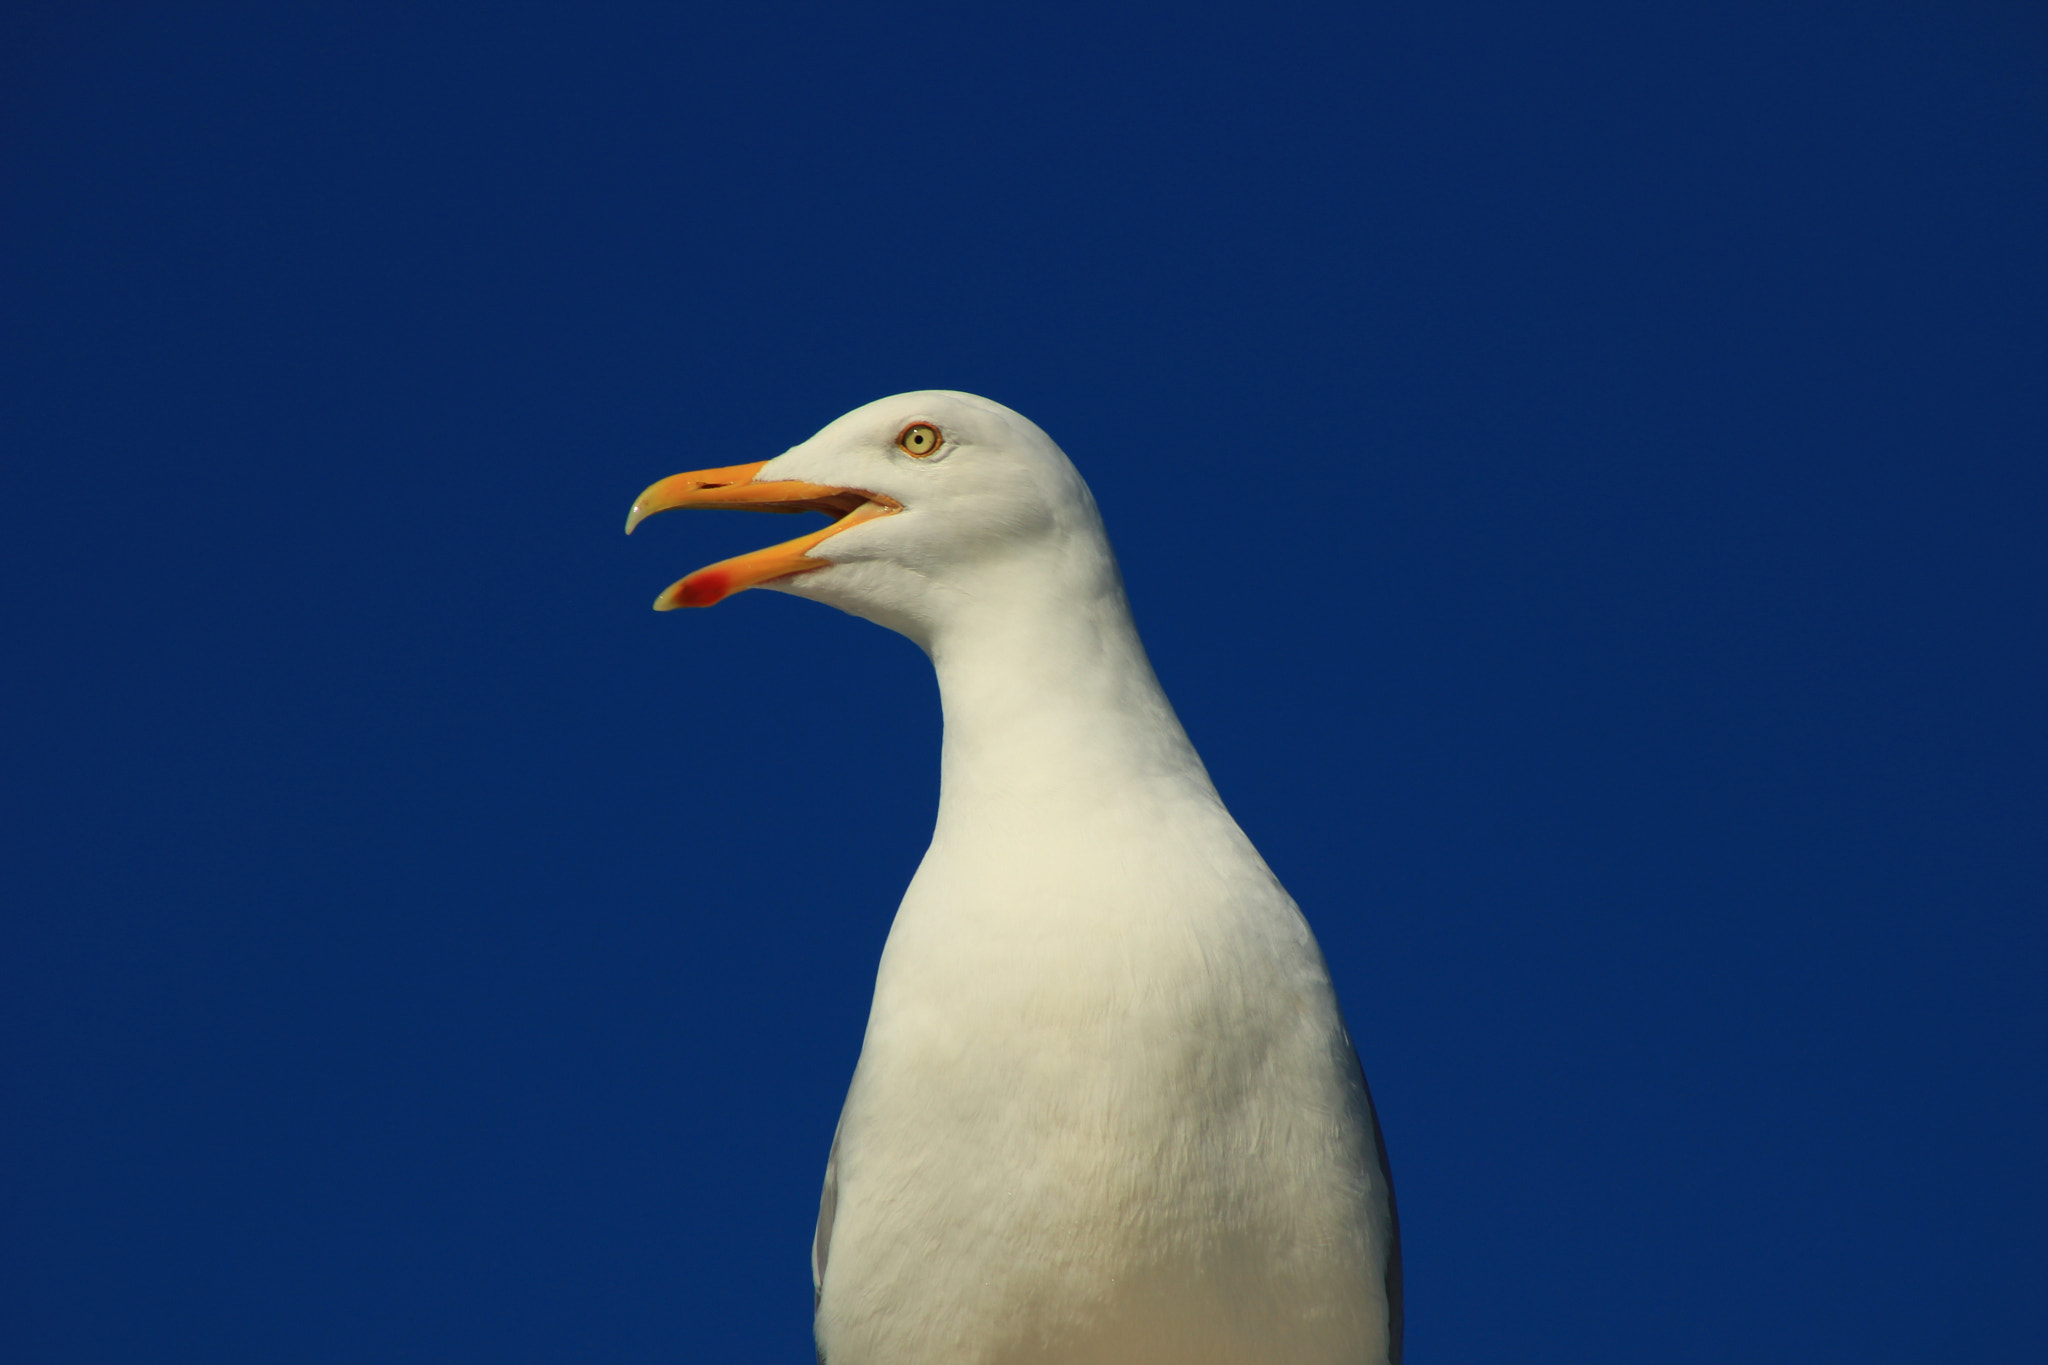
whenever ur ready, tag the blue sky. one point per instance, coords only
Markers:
(1578, 472)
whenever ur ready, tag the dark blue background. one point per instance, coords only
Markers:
(1579, 471)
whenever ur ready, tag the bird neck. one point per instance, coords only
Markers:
(1052, 711)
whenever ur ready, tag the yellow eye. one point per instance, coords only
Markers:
(919, 439)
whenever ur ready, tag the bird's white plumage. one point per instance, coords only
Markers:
(1106, 1111)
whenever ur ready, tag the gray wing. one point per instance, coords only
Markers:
(828, 1204)
(1393, 1280)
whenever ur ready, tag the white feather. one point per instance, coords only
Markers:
(1106, 1110)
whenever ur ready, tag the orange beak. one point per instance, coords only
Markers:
(735, 487)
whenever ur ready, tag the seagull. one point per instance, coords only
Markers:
(1106, 1110)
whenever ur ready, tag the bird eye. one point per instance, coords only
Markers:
(919, 439)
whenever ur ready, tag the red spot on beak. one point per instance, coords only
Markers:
(704, 589)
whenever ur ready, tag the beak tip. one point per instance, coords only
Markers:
(705, 588)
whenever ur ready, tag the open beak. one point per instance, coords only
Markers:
(735, 487)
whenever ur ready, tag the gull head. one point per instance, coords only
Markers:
(939, 504)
